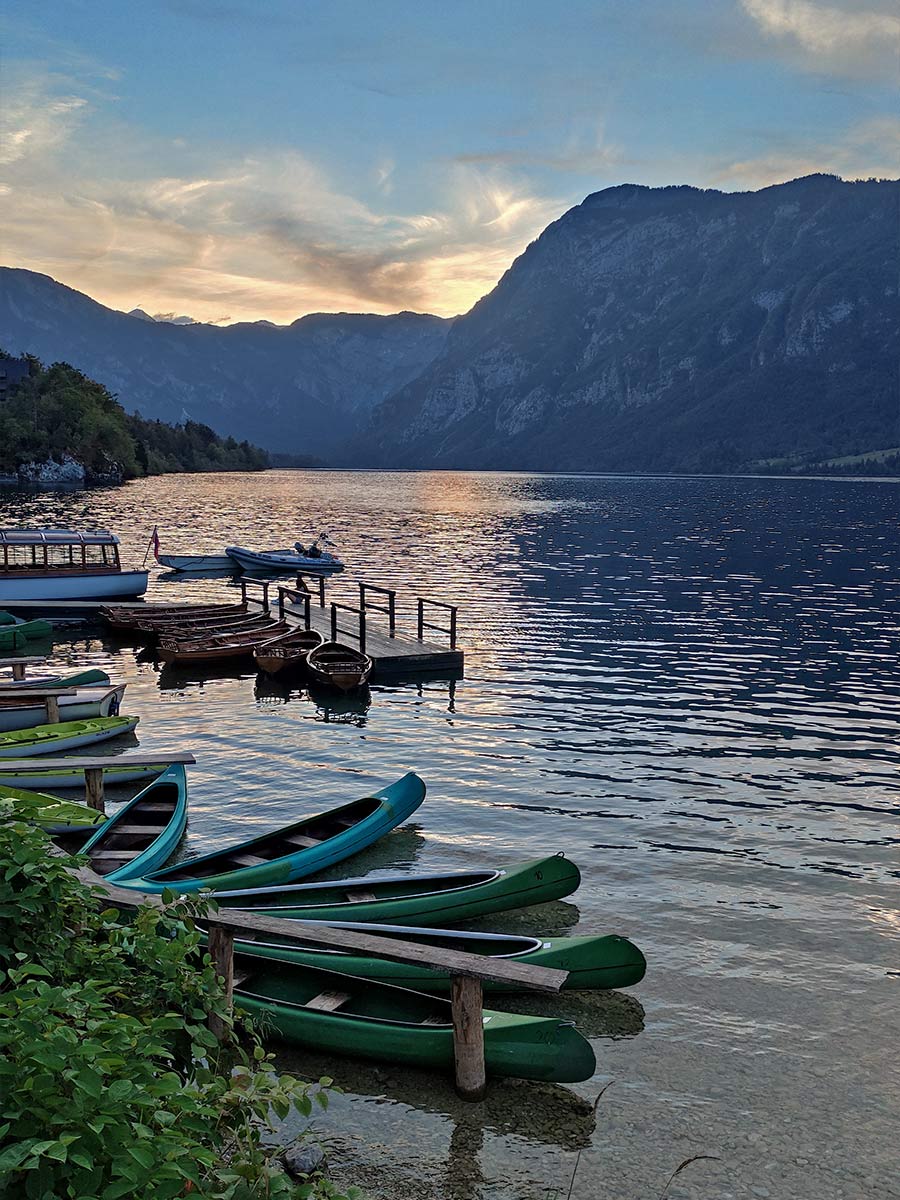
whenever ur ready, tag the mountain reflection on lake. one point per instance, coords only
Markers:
(688, 685)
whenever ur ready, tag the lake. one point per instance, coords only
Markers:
(690, 686)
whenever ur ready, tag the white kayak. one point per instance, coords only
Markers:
(61, 779)
(284, 561)
(25, 711)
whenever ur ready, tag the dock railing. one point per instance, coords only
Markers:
(467, 971)
(422, 624)
(390, 608)
(249, 581)
(293, 594)
(361, 623)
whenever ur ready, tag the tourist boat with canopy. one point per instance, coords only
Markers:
(62, 564)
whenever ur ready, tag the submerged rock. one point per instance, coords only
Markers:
(302, 1159)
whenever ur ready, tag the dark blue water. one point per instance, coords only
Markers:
(689, 685)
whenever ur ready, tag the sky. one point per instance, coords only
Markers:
(241, 161)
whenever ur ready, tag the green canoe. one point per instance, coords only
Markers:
(91, 678)
(415, 899)
(337, 1014)
(66, 735)
(592, 962)
(56, 816)
(14, 636)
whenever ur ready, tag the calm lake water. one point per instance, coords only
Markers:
(688, 685)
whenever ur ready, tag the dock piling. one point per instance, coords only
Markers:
(467, 1006)
(220, 942)
(93, 789)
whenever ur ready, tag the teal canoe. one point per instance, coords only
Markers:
(608, 961)
(56, 816)
(145, 833)
(297, 850)
(415, 899)
(358, 1017)
(66, 735)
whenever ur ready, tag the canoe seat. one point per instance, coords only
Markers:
(247, 860)
(437, 1019)
(154, 829)
(298, 839)
(159, 806)
(328, 1001)
(344, 823)
(360, 895)
(115, 855)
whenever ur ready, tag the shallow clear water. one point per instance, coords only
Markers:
(688, 685)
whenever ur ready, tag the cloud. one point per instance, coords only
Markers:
(868, 149)
(254, 236)
(854, 41)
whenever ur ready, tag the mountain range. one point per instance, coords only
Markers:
(648, 329)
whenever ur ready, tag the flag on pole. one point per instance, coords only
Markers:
(154, 542)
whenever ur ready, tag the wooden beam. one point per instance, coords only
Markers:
(14, 693)
(221, 950)
(133, 758)
(14, 662)
(93, 789)
(467, 1005)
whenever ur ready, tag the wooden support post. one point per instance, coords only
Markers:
(281, 604)
(392, 613)
(452, 628)
(265, 599)
(321, 591)
(52, 704)
(466, 1001)
(93, 788)
(421, 621)
(362, 631)
(18, 670)
(334, 623)
(307, 618)
(221, 951)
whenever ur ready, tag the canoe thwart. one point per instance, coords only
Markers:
(328, 1001)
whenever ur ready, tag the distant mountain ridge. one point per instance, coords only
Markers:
(648, 329)
(297, 388)
(660, 329)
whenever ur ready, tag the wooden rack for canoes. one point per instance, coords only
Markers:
(93, 768)
(21, 665)
(467, 971)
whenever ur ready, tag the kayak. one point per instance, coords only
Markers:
(24, 711)
(592, 962)
(67, 735)
(297, 850)
(340, 666)
(414, 899)
(284, 561)
(56, 816)
(359, 1017)
(143, 834)
(91, 678)
(61, 778)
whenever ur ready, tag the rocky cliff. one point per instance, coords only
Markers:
(673, 329)
(299, 388)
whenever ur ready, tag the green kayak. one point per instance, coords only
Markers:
(337, 1014)
(415, 899)
(62, 778)
(56, 816)
(66, 735)
(592, 962)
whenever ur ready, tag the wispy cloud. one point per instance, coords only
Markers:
(853, 40)
(265, 237)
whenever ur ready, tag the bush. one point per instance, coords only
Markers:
(111, 1084)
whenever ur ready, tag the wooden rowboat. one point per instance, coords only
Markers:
(297, 850)
(144, 833)
(208, 627)
(121, 617)
(288, 651)
(211, 647)
(66, 735)
(592, 962)
(340, 1015)
(414, 899)
(340, 666)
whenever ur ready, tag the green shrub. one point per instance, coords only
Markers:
(111, 1084)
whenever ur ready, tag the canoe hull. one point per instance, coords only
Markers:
(535, 882)
(68, 735)
(397, 802)
(592, 963)
(164, 846)
(56, 816)
(100, 586)
(60, 780)
(86, 703)
(197, 562)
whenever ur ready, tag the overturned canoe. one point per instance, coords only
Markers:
(340, 666)
(415, 899)
(143, 834)
(337, 1014)
(592, 962)
(290, 651)
(22, 711)
(56, 816)
(66, 735)
(297, 850)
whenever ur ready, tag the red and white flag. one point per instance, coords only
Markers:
(154, 542)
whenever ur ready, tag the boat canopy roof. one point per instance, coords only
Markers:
(56, 537)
